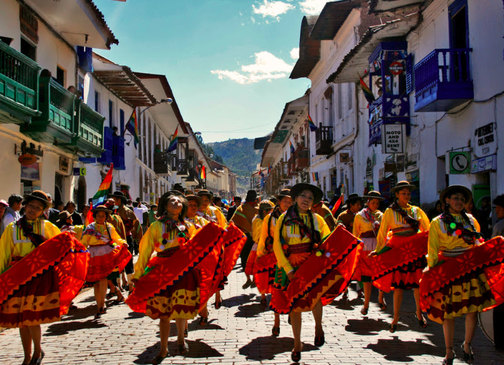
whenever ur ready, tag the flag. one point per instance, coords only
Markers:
(292, 150)
(101, 194)
(173, 142)
(89, 216)
(337, 204)
(132, 127)
(203, 173)
(367, 91)
(312, 125)
(269, 168)
(261, 173)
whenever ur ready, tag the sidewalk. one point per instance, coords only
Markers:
(239, 333)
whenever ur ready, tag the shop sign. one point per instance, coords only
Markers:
(460, 162)
(64, 164)
(393, 138)
(485, 140)
(27, 159)
(79, 171)
(483, 164)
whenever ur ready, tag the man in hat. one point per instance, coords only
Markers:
(132, 228)
(498, 229)
(178, 187)
(236, 203)
(243, 217)
(324, 211)
(151, 215)
(354, 205)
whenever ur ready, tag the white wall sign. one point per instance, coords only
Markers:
(393, 138)
(485, 140)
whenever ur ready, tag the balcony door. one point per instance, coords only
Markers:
(459, 39)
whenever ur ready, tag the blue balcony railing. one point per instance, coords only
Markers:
(443, 80)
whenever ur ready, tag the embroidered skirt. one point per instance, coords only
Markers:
(249, 268)
(265, 272)
(104, 259)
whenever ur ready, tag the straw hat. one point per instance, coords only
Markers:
(455, 188)
(401, 185)
(297, 189)
(40, 196)
(373, 195)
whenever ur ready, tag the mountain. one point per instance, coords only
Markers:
(239, 155)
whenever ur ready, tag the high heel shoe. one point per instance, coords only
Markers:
(468, 357)
(421, 321)
(218, 304)
(382, 305)
(183, 349)
(296, 356)
(37, 361)
(319, 340)
(392, 328)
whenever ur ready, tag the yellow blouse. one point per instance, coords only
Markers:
(14, 243)
(292, 236)
(213, 214)
(256, 228)
(197, 221)
(361, 224)
(101, 236)
(261, 246)
(439, 240)
(393, 220)
(152, 241)
(76, 230)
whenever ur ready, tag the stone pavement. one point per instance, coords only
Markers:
(239, 333)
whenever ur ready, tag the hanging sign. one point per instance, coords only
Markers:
(393, 138)
(27, 159)
(460, 162)
(485, 140)
(396, 68)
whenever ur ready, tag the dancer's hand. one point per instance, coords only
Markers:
(290, 274)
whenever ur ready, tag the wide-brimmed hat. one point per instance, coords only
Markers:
(251, 195)
(499, 200)
(284, 193)
(401, 185)
(354, 197)
(101, 208)
(63, 216)
(205, 192)
(299, 188)
(235, 198)
(178, 187)
(40, 196)
(373, 195)
(455, 189)
(3, 202)
(120, 195)
(196, 198)
(265, 205)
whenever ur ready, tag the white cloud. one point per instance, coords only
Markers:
(294, 53)
(312, 7)
(266, 67)
(272, 8)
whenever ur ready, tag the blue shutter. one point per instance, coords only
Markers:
(85, 55)
(118, 157)
(410, 86)
(108, 145)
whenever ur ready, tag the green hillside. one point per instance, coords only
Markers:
(239, 155)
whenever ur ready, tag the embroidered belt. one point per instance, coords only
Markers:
(300, 248)
(403, 231)
(168, 252)
(454, 251)
(368, 234)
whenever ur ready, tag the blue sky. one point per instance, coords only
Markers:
(228, 61)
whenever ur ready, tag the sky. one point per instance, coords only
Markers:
(227, 61)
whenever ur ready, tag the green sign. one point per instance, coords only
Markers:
(82, 171)
(460, 162)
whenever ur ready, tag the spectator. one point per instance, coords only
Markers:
(3, 206)
(12, 210)
(50, 213)
(498, 229)
(236, 203)
(85, 210)
(76, 217)
(484, 218)
(437, 210)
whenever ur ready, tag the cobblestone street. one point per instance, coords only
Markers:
(239, 333)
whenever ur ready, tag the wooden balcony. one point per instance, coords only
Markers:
(291, 167)
(443, 80)
(301, 158)
(89, 134)
(19, 78)
(323, 140)
(182, 167)
(193, 179)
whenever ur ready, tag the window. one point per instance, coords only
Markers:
(121, 120)
(28, 49)
(111, 113)
(459, 30)
(97, 101)
(340, 102)
(60, 76)
(80, 86)
(350, 96)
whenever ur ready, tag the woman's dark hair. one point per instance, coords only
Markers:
(70, 202)
(164, 201)
(263, 213)
(447, 207)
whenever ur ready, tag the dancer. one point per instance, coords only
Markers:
(460, 278)
(297, 232)
(108, 251)
(401, 224)
(266, 260)
(365, 226)
(37, 291)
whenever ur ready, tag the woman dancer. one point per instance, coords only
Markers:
(296, 232)
(182, 300)
(266, 260)
(400, 226)
(456, 253)
(34, 293)
(366, 225)
(108, 251)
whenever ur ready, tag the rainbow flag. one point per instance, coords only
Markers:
(312, 125)
(269, 168)
(103, 190)
(315, 176)
(368, 94)
(203, 173)
(173, 142)
(132, 127)
(292, 150)
(337, 204)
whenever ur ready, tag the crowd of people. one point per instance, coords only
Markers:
(297, 253)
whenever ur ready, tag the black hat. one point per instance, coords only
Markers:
(297, 189)
(455, 189)
(101, 208)
(401, 185)
(373, 195)
(251, 196)
(120, 195)
(284, 193)
(63, 216)
(40, 196)
(205, 192)
(499, 200)
(237, 198)
(194, 197)
(178, 187)
(352, 198)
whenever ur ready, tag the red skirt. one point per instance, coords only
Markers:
(166, 275)
(318, 278)
(364, 270)
(470, 282)
(264, 276)
(40, 287)
(104, 259)
(249, 268)
(234, 241)
(400, 264)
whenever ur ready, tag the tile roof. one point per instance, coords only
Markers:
(309, 49)
(332, 18)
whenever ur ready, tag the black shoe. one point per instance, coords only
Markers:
(392, 328)
(296, 356)
(468, 357)
(275, 331)
(447, 361)
(319, 340)
(183, 349)
(159, 359)
(39, 360)
(247, 284)
(218, 304)
(203, 321)
(186, 333)
(422, 322)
